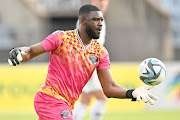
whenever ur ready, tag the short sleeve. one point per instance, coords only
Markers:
(52, 42)
(104, 60)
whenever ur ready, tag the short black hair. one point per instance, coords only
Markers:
(86, 9)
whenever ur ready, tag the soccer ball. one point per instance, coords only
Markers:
(152, 71)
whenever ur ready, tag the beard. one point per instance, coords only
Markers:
(91, 33)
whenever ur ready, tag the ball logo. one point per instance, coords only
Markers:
(65, 114)
(93, 59)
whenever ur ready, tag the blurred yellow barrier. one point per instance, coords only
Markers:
(126, 75)
(19, 84)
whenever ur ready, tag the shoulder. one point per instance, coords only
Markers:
(97, 44)
(70, 32)
(67, 34)
(101, 50)
(61, 34)
(57, 32)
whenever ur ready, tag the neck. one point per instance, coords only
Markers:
(84, 37)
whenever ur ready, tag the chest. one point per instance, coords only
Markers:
(74, 54)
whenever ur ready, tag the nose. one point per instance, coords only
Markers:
(100, 23)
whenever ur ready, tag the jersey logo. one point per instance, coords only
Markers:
(65, 114)
(73, 52)
(93, 59)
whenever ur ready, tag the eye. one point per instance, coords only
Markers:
(96, 19)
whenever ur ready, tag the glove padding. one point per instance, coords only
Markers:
(15, 56)
(144, 94)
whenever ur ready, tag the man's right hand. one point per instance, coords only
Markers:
(15, 56)
(144, 94)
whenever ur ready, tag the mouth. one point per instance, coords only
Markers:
(98, 30)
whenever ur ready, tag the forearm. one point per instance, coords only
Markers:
(32, 51)
(112, 90)
(115, 91)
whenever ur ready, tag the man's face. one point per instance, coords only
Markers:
(94, 24)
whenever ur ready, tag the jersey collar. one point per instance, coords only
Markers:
(79, 39)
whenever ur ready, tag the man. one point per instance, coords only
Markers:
(74, 55)
(93, 87)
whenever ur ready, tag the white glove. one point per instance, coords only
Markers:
(15, 56)
(142, 93)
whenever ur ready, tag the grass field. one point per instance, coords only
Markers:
(143, 115)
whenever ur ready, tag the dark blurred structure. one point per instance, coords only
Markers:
(136, 29)
(26, 22)
(173, 7)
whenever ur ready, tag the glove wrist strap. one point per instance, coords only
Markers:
(129, 93)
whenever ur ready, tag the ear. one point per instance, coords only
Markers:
(82, 20)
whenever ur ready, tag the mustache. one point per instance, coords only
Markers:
(99, 29)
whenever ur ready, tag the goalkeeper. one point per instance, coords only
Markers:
(93, 87)
(74, 55)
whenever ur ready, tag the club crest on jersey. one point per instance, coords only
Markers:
(65, 114)
(93, 59)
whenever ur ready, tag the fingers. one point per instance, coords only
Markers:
(9, 61)
(152, 96)
(149, 100)
(19, 57)
(23, 52)
(144, 94)
(15, 56)
(138, 98)
(144, 98)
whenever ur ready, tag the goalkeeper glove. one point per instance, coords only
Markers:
(141, 93)
(15, 56)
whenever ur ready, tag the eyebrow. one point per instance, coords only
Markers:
(98, 18)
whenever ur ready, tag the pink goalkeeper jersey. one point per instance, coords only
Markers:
(71, 64)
